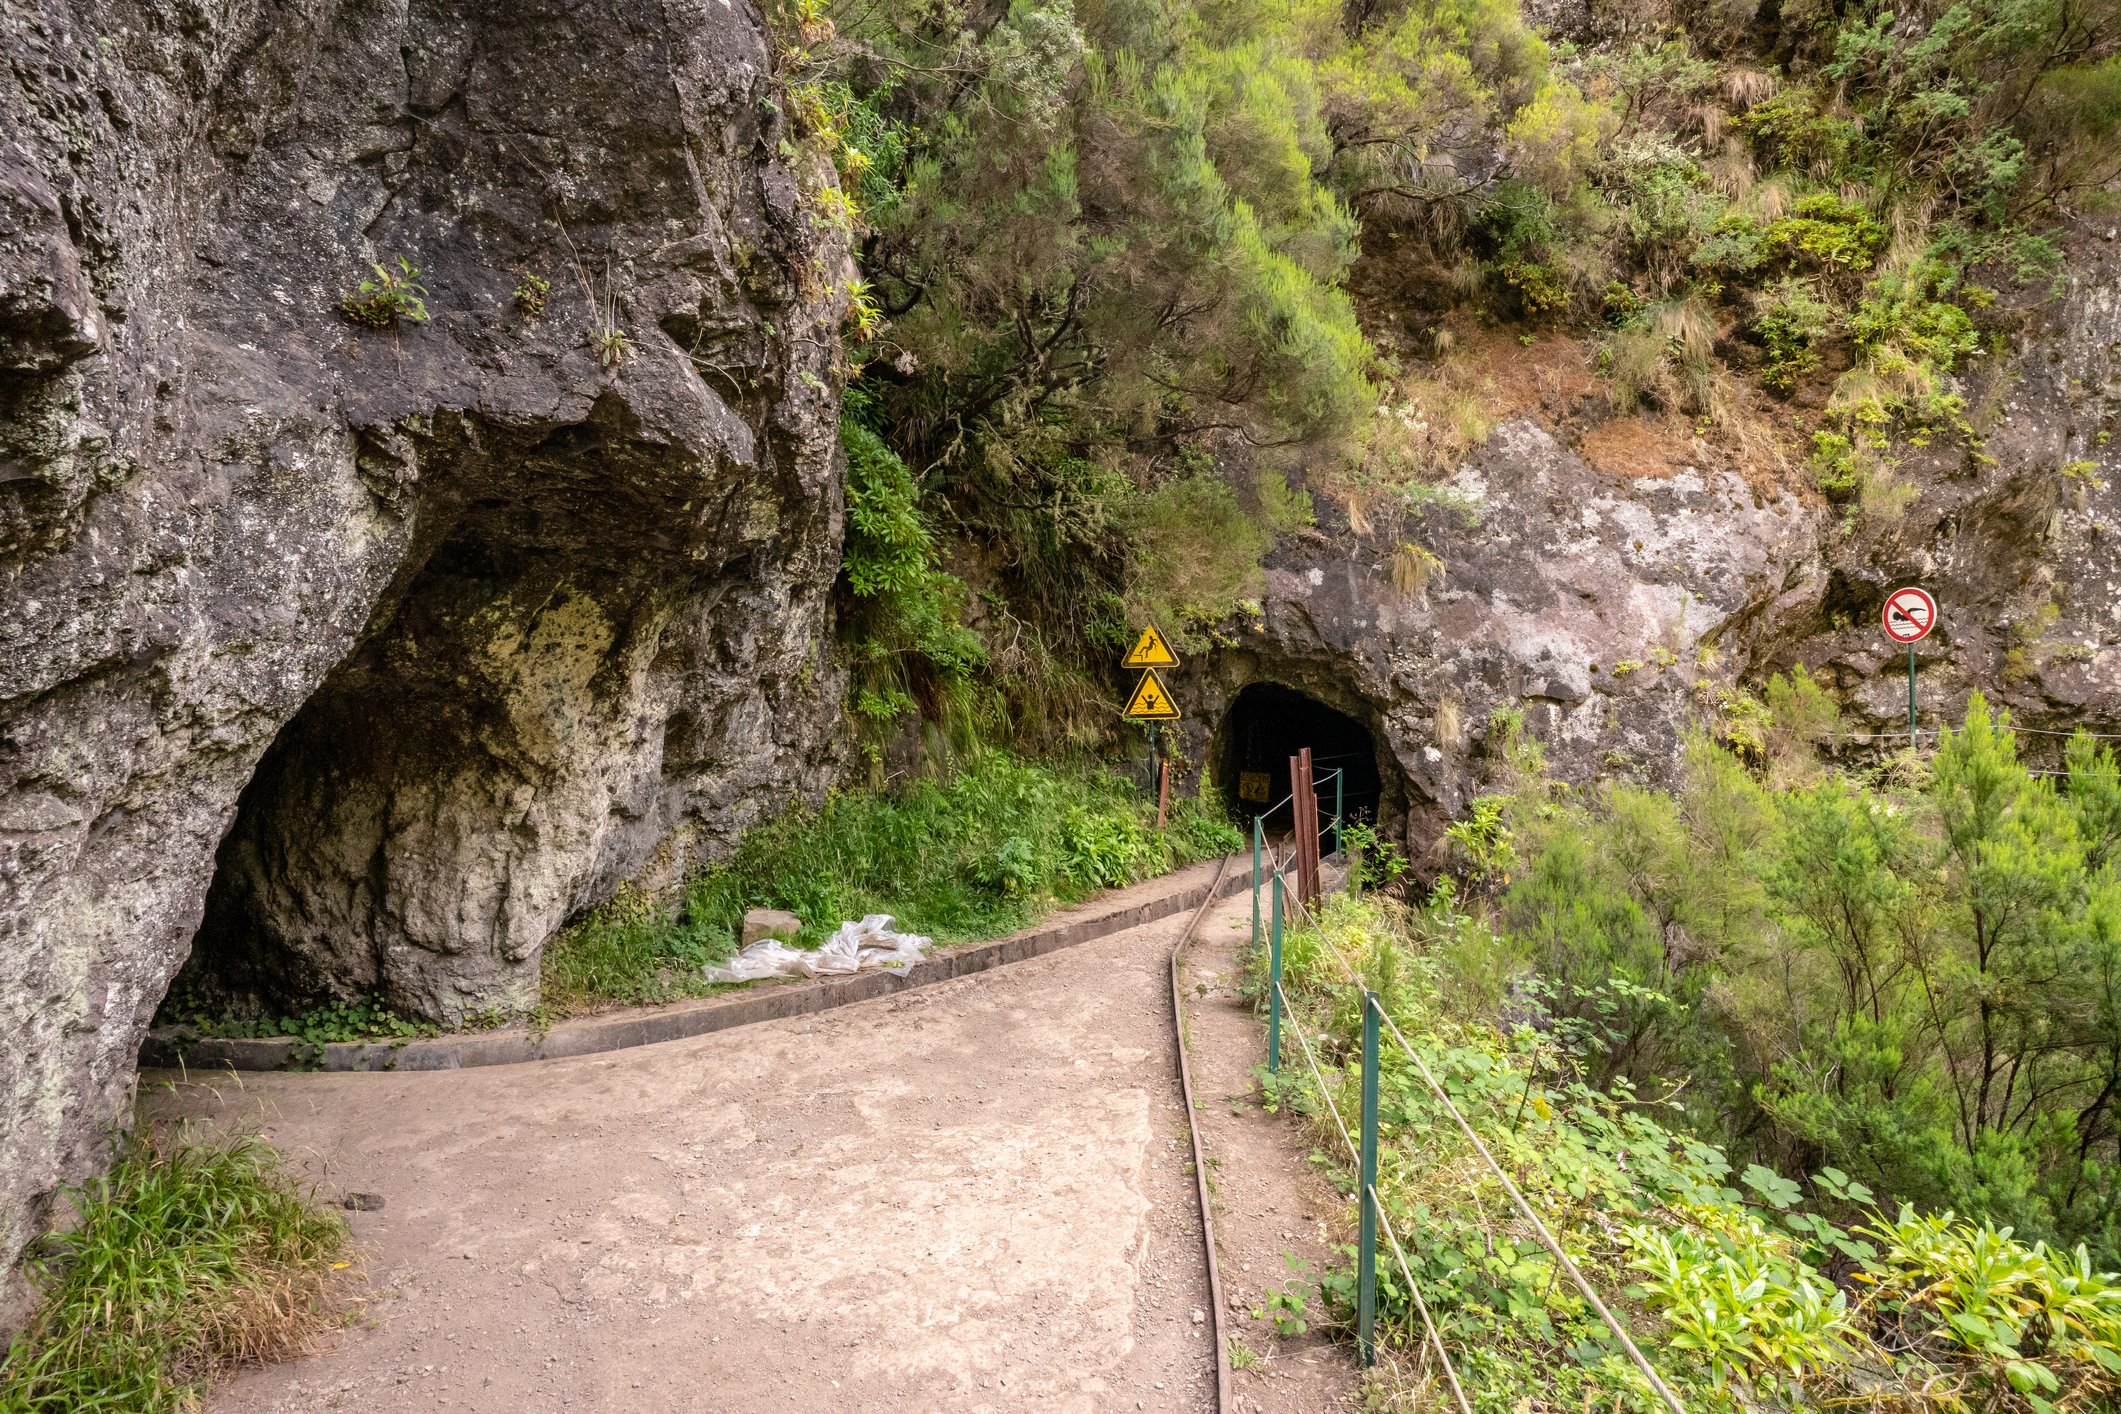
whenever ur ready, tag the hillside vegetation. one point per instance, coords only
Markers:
(1103, 346)
(1816, 1078)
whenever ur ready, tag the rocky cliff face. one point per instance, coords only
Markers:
(337, 660)
(1612, 578)
(381, 651)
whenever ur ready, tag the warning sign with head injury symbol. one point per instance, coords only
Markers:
(1150, 651)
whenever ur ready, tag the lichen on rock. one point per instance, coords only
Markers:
(368, 656)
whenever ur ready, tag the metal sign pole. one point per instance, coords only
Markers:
(1366, 1274)
(1909, 616)
(1339, 779)
(1274, 985)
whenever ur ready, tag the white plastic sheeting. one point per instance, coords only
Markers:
(851, 948)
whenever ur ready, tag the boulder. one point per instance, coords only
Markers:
(763, 923)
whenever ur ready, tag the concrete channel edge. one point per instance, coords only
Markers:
(171, 1047)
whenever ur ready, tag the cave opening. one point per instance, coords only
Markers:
(1269, 723)
(538, 699)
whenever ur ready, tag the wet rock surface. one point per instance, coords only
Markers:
(430, 635)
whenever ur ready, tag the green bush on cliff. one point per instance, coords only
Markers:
(1114, 238)
(1107, 242)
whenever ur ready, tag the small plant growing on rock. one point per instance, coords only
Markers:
(1286, 1307)
(606, 339)
(864, 315)
(1412, 569)
(392, 295)
(530, 293)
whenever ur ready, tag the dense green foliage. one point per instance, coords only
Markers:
(1747, 1290)
(977, 852)
(1918, 982)
(186, 1258)
(1103, 242)
(1103, 323)
(1825, 177)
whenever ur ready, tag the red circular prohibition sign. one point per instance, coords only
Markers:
(1909, 615)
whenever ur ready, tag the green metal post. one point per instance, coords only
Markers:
(1338, 778)
(1366, 1299)
(1911, 697)
(1274, 985)
(1258, 839)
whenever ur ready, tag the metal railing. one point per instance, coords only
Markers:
(1364, 1153)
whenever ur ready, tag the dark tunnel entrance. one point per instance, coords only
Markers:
(1269, 723)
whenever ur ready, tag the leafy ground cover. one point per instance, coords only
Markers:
(1748, 1290)
(1813, 1069)
(974, 854)
(367, 1019)
(187, 1257)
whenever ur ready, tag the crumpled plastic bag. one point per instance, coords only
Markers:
(851, 948)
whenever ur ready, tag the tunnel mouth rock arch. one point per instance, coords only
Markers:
(543, 705)
(1267, 724)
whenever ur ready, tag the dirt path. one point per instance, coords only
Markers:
(1270, 1204)
(970, 1197)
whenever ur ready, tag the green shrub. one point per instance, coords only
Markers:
(186, 1258)
(1540, 289)
(1792, 129)
(1792, 325)
(983, 850)
(1835, 469)
(1723, 1275)
(904, 634)
(889, 546)
(1826, 232)
(1196, 554)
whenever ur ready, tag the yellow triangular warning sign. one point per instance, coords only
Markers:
(1151, 652)
(1150, 701)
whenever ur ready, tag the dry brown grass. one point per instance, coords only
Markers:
(1413, 568)
(1430, 421)
(1745, 87)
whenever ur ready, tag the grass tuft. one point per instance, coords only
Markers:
(187, 1258)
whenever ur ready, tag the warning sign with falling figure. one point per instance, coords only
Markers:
(1150, 651)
